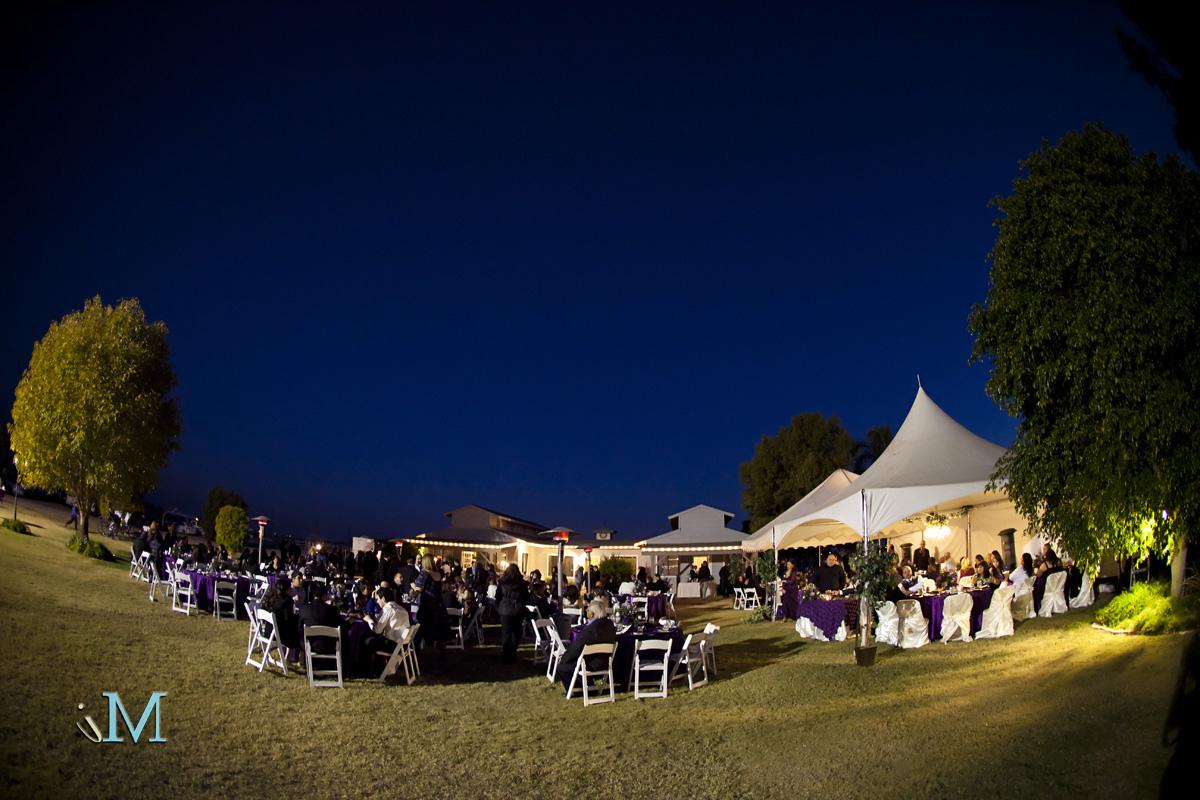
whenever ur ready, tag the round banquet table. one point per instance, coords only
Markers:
(931, 607)
(827, 615)
(656, 604)
(623, 655)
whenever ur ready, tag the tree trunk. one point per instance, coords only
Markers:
(84, 516)
(1178, 569)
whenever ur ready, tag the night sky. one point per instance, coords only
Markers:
(570, 261)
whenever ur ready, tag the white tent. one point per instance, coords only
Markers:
(815, 500)
(933, 464)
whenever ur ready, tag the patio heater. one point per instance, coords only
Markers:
(561, 536)
(262, 530)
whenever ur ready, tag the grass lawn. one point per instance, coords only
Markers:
(1060, 709)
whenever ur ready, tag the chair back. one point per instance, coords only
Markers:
(957, 604)
(908, 608)
(1056, 582)
(598, 650)
(648, 645)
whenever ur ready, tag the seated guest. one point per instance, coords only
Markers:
(279, 602)
(965, 568)
(538, 598)
(995, 560)
(1022, 573)
(299, 589)
(656, 584)
(317, 612)
(995, 578)
(599, 630)
(894, 593)
(830, 575)
(392, 615)
(909, 584)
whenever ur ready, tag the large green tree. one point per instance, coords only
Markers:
(218, 498)
(1090, 330)
(94, 415)
(790, 464)
(232, 526)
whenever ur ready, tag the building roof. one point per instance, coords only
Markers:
(699, 527)
(519, 520)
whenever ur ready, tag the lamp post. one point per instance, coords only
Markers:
(588, 551)
(262, 521)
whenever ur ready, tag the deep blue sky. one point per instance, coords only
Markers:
(568, 260)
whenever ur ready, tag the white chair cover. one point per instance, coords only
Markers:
(956, 617)
(1022, 606)
(997, 617)
(1054, 599)
(888, 628)
(914, 628)
(1087, 594)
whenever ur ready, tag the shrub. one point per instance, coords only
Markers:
(16, 525)
(89, 547)
(616, 571)
(1149, 608)
(760, 614)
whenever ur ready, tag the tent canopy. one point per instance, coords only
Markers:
(815, 500)
(933, 463)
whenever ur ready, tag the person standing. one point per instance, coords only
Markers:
(512, 595)
(921, 557)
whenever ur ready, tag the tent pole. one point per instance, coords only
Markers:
(968, 533)
(864, 605)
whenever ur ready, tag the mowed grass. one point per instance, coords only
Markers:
(1058, 710)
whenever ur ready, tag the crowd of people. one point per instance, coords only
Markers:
(334, 587)
(925, 571)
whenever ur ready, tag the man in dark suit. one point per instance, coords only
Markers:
(317, 612)
(921, 557)
(830, 576)
(599, 630)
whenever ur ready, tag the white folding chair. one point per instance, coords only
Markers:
(225, 600)
(956, 617)
(184, 598)
(997, 617)
(532, 614)
(671, 603)
(691, 659)
(577, 613)
(157, 583)
(1022, 605)
(914, 628)
(557, 648)
(887, 630)
(133, 568)
(251, 606)
(267, 644)
(542, 643)
(1087, 594)
(739, 598)
(402, 655)
(585, 674)
(1054, 599)
(710, 650)
(328, 676)
(144, 566)
(261, 584)
(458, 638)
(750, 599)
(651, 655)
(640, 605)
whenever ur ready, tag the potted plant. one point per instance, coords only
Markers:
(872, 569)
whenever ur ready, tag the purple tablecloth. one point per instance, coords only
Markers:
(931, 607)
(623, 655)
(656, 605)
(828, 615)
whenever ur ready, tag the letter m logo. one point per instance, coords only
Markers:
(115, 708)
